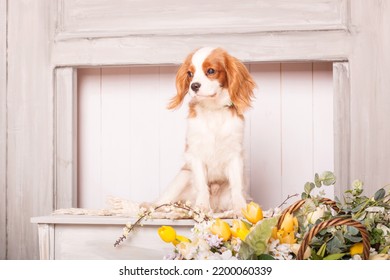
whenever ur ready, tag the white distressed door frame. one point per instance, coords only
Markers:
(38, 62)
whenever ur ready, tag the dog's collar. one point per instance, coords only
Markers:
(230, 105)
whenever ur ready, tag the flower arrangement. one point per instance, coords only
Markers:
(359, 227)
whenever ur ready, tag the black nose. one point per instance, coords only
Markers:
(195, 86)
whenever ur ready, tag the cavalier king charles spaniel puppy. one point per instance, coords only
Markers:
(221, 89)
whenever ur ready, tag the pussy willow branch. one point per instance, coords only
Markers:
(178, 205)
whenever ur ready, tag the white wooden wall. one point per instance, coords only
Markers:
(131, 146)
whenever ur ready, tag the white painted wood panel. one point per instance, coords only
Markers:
(30, 124)
(280, 47)
(103, 18)
(89, 137)
(72, 237)
(172, 135)
(66, 138)
(323, 128)
(370, 99)
(115, 132)
(3, 128)
(138, 144)
(296, 126)
(342, 126)
(265, 135)
(144, 133)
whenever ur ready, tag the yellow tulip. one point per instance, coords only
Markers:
(356, 249)
(221, 229)
(288, 238)
(239, 229)
(286, 233)
(167, 233)
(252, 212)
(289, 223)
(180, 239)
(274, 234)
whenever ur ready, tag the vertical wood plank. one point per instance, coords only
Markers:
(66, 138)
(265, 136)
(323, 131)
(342, 126)
(30, 124)
(89, 138)
(297, 127)
(145, 133)
(172, 128)
(115, 132)
(46, 241)
(370, 98)
(3, 128)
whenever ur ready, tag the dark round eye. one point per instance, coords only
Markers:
(190, 74)
(210, 71)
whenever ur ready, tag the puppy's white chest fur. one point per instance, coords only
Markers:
(214, 137)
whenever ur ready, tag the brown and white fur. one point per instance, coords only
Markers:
(221, 89)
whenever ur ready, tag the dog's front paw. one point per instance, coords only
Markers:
(238, 205)
(203, 205)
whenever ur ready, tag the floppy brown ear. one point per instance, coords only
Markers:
(182, 84)
(240, 83)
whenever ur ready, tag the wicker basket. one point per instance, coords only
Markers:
(338, 221)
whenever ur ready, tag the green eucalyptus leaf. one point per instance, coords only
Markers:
(379, 194)
(353, 239)
(309, 187)
(352, 230)
(335, 245)
(328, 178)
(358, 208)
(317, 180)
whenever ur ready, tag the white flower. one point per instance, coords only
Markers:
(187, 250)
(236, 243)
(357, 187)
(280, 251)
(317, 214)
(214, 240)
(357, 184)
(226, 255)
(171, 256)
(386, 231)
(376, 209)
